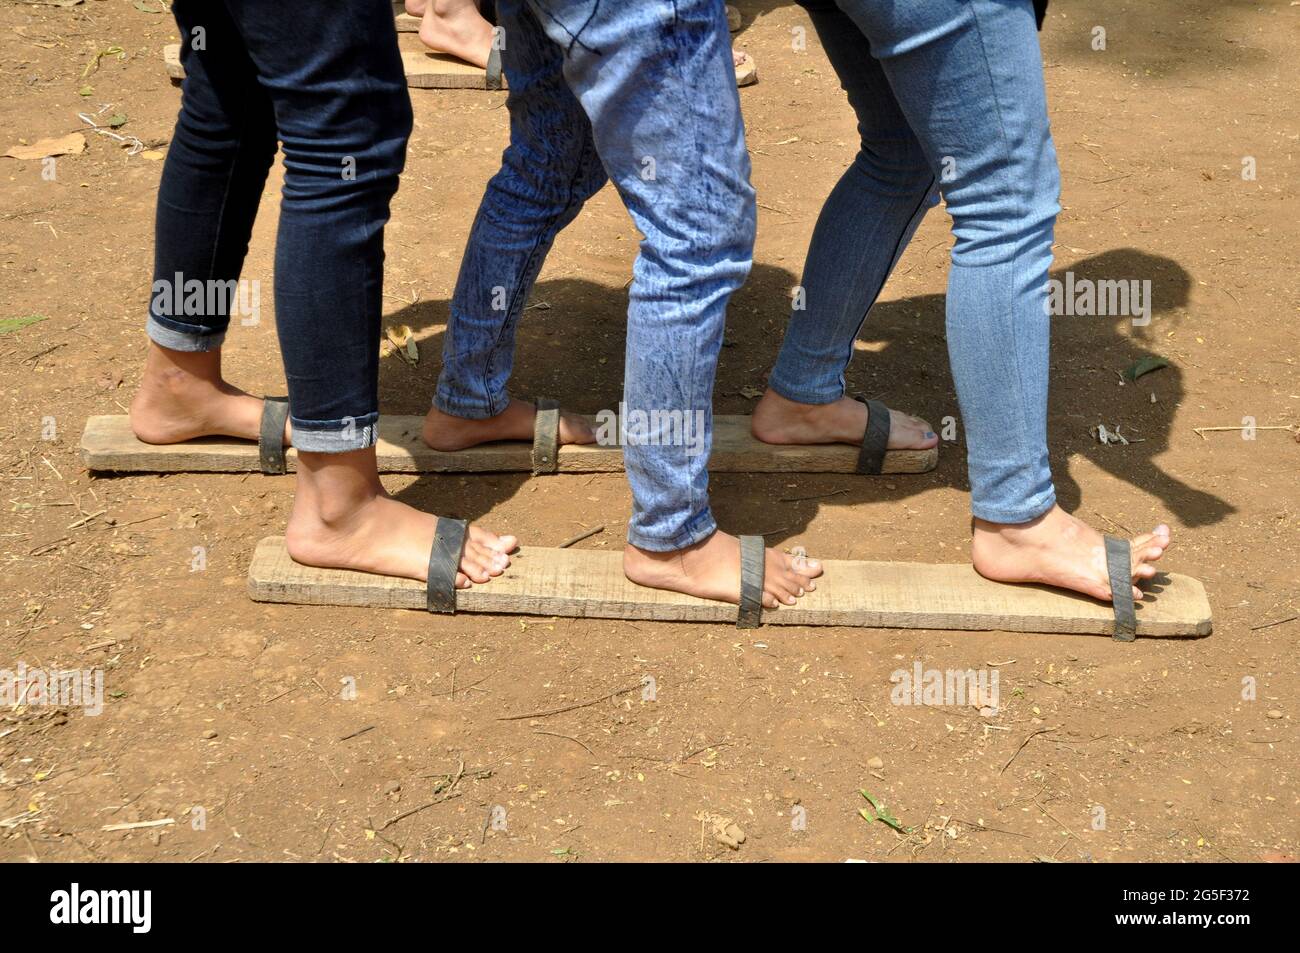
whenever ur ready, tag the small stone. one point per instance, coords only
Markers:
(210, 734)
(392, 787)
(875, 763)
(1274, 713)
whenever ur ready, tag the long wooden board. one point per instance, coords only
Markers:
(108, 444)
(591, 584)
(424, 69)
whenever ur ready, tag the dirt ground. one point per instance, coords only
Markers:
(310, 733)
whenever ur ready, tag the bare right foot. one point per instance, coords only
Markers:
(781, 421)
(447, 433)
(182, 395)
(454, 27)
(711, 570)
(343, 519)
(1058, 550)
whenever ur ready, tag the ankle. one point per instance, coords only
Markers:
(451, 8)
(177, 369)
(336, 490)
(774, 403)
(1054, 522)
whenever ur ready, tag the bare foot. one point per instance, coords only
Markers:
(343, 519)
(777, 420)
(445, 432)
(711, 570)
(455, 27)
(182, 396)
(1058, 550)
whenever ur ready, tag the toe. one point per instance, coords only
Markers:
(575, 430)
(476, 564)
(1144, 571)
(490, 540)
(781, 592)
(494, 563)
(800, 565)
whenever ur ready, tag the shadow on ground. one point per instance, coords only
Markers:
(570, 347)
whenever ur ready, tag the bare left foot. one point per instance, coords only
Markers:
(1058, 550)
(344, 519)
(447, 433)
(454, 27)
(711, 570)
(182, 395)
(781, 421)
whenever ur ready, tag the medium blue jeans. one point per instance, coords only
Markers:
(643, 94)
(325, 79)
(949, 95)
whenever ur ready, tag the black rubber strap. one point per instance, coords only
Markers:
(871, 458)
(494, 65)
(1119, 566)
(270, 441)
(546, 437)
(444, 563)
(753, 555)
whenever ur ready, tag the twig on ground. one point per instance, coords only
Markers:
(556, 734)
(1028, 738)
(560, 711)
(137, 825)
(581, 536)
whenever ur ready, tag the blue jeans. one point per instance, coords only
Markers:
(949, 95)
(326, 80)
(643, 94)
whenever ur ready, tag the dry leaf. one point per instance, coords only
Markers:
(403, 340)
(73, 144)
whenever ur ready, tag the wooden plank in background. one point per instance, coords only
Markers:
(108, 444)
(591, 584)
(424, 69)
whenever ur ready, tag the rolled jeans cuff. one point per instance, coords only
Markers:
(183, 337)
(1031, 509)
(804, 394)
(699, 528)
(335, 436)
(470, 408)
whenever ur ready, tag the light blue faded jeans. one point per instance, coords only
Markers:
(643, 94)
(949, 97)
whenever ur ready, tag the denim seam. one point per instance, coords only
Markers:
(373, 89)
(893, 260)
(681, 75)
(1022, 430)
(573, 37)
(517, 301)
(225, 198)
